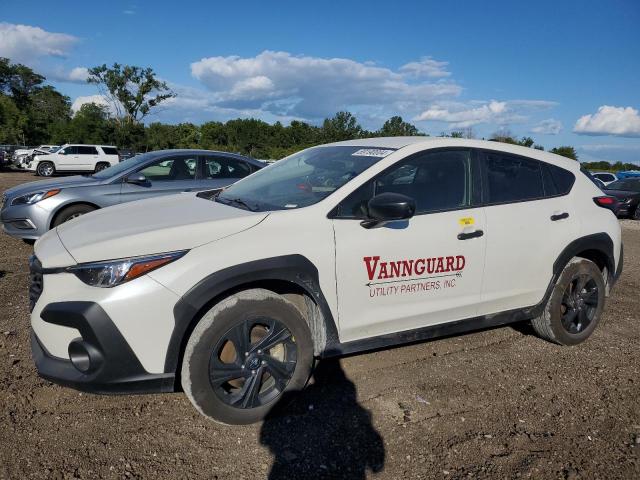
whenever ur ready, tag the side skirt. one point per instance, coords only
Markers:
(435, 331)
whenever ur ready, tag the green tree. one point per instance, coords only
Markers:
(90, 124)
(12, 121)
(49, 113)
(565, 151)
(18, 81)
(397, 127)
(343, 126)
(132, 91)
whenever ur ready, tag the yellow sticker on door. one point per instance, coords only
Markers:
(466, 221)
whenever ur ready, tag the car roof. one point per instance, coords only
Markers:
(193, 151)
(440, 142)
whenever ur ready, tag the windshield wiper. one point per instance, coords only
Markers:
(236, 201)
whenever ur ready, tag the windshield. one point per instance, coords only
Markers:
(628, 185)
(301, 179)
(121, 167)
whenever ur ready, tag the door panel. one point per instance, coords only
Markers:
(417, 272)
(408, 274)
(165, 176)
(523, 241)
(70, 160)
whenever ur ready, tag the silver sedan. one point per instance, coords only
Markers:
(30, 210)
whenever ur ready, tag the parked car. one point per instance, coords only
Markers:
(629, 174)
(22, 156)
(74, 158)
(324, 253)
(31, 209)
(605, 177)
(627, 191)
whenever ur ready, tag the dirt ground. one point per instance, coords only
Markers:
(495, 404)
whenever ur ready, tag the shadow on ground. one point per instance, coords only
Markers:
(326, 433)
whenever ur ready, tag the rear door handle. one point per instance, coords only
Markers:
(559, 216)
(467, 236)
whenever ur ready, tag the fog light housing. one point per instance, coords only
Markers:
(23, 224)
(84, 356)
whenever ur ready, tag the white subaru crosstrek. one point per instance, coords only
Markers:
(336, 249)
(74, 158)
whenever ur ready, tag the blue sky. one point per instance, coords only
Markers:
(563, 72)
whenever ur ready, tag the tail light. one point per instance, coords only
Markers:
(608, 202)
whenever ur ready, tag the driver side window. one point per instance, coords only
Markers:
(437, 181)
(169, 169)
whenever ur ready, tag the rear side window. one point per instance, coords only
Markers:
(557, 181)
(225, 167)
(86, 150)
(109, 150)
(512, 179)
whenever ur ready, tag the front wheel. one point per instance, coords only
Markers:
(71, 212)
(246, 354)
(636, 213)
(45, 169)
(575, 305)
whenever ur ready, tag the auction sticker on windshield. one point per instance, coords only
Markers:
(372, 152)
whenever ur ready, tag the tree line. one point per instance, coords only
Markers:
(33, 113)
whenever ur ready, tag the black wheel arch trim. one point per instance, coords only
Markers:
(295, 269)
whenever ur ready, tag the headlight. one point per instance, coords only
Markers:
(31, 198)
(115, 272)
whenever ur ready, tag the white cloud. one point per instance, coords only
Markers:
(549, 126)
(426, 67)
(461, 115)
(79, 74)
(26, 44)
(608, 120)
(97, 99)
(279, 83)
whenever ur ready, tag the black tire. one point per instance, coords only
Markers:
(70, 213)
(636, 213)
(45, 169)
(575, 306)
(220, 397)
(101, 166)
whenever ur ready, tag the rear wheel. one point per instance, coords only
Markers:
(70, 213)
(575, 305)
(45, 169)
(101, 166)
(245, 355)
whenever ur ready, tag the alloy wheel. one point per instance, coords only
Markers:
(252, 363)
(579, 303)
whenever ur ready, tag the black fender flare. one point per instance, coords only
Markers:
(596, 242)
(295, 269)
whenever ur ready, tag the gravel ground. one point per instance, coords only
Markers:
(494, 404)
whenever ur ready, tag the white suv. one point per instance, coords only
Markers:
(336, 249)
(74, 158)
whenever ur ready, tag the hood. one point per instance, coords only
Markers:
(157, 225)
(622, 193)
(50, 184)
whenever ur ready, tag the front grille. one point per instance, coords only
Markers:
(35, 285)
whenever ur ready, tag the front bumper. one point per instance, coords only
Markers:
(101, 359)
(25, 221)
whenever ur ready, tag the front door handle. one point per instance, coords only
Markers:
(467, 236)
(559, 216)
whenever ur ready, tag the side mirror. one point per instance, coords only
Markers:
(388, 207)
(137, 179)
(61, 152)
